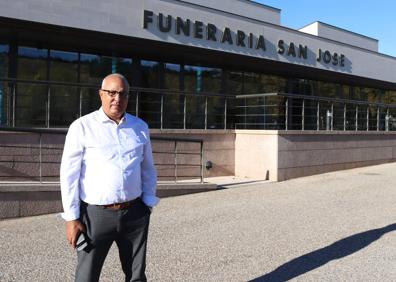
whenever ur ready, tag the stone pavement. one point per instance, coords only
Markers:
(338, 226)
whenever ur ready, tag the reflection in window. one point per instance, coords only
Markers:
(124, 67)
(150, 74)
(63, 66)
(64, 105)
(252, 83)
(150, 102)
(202, 79)
(172, 76)
(31, 105)
(173, 110)
(32, 63)
(195, 116)
(94, 68)
(234, 82)
(90, 100)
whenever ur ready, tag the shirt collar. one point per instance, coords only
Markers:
(104, 118)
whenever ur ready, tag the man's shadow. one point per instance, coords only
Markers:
(315, 259)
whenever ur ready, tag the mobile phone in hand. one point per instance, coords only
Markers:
(82, 242)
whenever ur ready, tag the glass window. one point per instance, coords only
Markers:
(295, 114)
(124, 67)
(362, 117)
(4, 60)
(32, 63)
(215, 119)
(31, 105)
(64, 105)
(273, 84)
(90, 100)
(150, 108)
(93, 68)
(234, 82)
(202, 79)
(326, 89)
(63, 66)
(195, 112)
(310, 115)
(172, 76)
(338, 116)
(350, 117)
(149, 74)
(150, 101)
(173, 111)
(252, 83)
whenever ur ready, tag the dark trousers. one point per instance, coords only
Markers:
(128, 228)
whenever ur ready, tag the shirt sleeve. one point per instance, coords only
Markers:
(149, 175)
(70, 172)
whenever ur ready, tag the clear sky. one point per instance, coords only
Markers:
(376, 19)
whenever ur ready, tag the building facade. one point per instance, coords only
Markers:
(269, 101)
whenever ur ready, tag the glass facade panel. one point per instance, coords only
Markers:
(173, 111)
(90, 100)
(63, 66)
(195, 113)
(326, 89)
(32, 63)
(64, 105)
(295, 107)
(166, 101)
(31, 105)
(234, 82)
(150, 74)
(324, 120)
(172, 76)
(123, 66)
(362, 117)
(273, 84)
(150, 108)
(350, 113)
(215, 119)
(93, 68)
(202, 79)
(338, 116)
(310, 114)
(373, 117)
(252, 83)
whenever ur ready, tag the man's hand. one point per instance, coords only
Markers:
(73, 229)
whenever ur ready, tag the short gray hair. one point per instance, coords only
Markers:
(120, 76)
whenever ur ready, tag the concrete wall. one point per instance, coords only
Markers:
(256, 154)
(341, 35)
(318, 152)
(288, 154)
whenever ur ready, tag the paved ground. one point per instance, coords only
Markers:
(331, 227)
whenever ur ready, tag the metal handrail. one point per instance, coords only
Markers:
(176, 153)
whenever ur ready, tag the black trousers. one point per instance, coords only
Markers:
(128, 228)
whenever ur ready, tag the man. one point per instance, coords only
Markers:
(108, 184)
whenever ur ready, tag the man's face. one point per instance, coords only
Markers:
(114, 107)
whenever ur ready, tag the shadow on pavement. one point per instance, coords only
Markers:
(316, 259)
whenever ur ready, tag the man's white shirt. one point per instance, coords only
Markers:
(105, 163)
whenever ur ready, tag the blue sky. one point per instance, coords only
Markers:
(376, 19)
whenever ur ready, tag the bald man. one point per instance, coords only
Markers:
(108, 185)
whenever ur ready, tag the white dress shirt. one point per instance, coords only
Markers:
(105, 163)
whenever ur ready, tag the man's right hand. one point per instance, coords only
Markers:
(73, 229)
